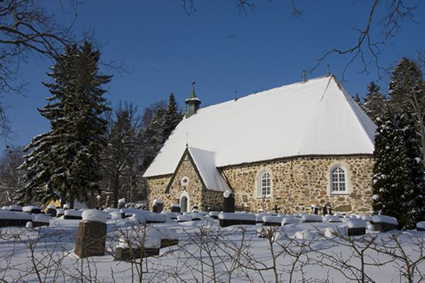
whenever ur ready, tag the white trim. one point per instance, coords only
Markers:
(184, 194)
(347, 182)
(184, 181)
(258, 183)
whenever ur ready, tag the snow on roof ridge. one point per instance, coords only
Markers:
(265, 91)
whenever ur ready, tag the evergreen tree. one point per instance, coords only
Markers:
(357, 99)
(373, 102)
(65, 161)
(172, 117)
(153, 138)
(398, 181)
(121, 153)
(162, 124)
(407, 92)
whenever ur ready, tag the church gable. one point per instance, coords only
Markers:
(187, 183)
(186, 175)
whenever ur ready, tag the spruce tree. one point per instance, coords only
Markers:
(357, 99)
(398, 181)
(153, 138)
(373, 102)
(407, 92)
(65, 161)
(172, 117)
(161, 125)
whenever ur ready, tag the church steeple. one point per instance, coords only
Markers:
(192, 103)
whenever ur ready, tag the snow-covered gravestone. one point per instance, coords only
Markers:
(356, 227)
(384, 223)
(139, 244)
(31, 209)
(175, 208)
(91, 236)
(228, 219)
(40, 220)
(121, 203)
(269, 220)
(51, 210)
(158, 206)
(228, 201)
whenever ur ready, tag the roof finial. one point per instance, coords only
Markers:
(329, 70)
(193, 95)
(187, 140)
(236, 95)
(304, 76)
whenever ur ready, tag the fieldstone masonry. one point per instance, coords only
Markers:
(198, 194)
(297, 183)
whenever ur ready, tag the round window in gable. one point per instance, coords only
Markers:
(184, 181)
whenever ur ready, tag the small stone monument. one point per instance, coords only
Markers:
(158, 206)
(324, 210)
(228, 201)
(51, 210)
(315, 209)
(356, 227)
(91, 235)
(175, 208)
(139, 244)
(384, 223)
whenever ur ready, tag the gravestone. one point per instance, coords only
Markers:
(324, 210)
(128, 254)
(228, 201)
(175, 208)
(91, 235)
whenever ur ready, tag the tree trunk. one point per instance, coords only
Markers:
(115, 186)
(71, 202)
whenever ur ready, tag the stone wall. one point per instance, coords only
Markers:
(194, 190)
(298, 183)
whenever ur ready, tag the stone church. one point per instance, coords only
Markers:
(294, 146)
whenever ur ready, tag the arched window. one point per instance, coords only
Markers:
(338, 180)
(264, 184)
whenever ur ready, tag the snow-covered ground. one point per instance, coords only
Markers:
(309, 252)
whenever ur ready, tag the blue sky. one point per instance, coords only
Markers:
(217, 46)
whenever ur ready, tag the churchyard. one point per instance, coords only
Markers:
(134, 245)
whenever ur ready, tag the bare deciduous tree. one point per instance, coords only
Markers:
(26, 30)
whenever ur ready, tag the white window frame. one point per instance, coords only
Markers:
(260, 183)
(335, 179)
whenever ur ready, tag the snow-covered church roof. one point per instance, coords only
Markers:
(317, 117)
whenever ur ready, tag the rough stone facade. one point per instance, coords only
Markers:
(297, 183)
(195, 190)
